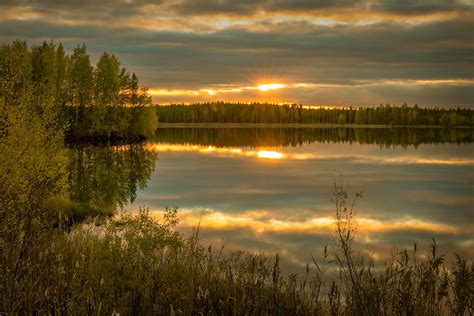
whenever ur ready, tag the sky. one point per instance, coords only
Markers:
(314, 52)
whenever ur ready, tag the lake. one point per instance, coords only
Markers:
(269, 189)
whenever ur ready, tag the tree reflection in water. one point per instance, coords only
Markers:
(257, 137)
(105, 177)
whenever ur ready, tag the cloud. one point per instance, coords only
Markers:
(205, 45)
(247, 7)
(414, 7)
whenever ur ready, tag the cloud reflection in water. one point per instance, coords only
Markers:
(409, 194)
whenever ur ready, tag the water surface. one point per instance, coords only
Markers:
(270, 189)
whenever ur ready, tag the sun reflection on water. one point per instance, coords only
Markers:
(413, 159)
(269, 154)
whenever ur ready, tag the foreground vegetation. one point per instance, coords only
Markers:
(134, 264)
(261, 113)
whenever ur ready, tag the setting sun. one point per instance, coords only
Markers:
(270, 86)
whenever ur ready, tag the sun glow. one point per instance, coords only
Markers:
(270, 86)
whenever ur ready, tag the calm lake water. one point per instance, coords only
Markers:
(269, 190)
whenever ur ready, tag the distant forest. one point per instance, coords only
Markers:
(101, 101)
(220, 112)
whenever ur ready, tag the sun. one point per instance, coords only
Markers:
(270, 86)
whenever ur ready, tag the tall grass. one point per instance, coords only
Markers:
(134, 264)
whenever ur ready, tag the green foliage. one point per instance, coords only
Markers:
(107, 80)
(118, 107)
(37, 86)
(32, 164)
(66, 212)
(80, 81)
(15, 74)
(266, 113)
(144, 121)
(103, 102)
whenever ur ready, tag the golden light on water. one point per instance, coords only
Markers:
(270, 86)
(264, 221)
(266, 154)
(269, 154)
(288, 155)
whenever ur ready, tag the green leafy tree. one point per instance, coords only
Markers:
(80, 84)
(107, 80)
(15, 74)
(144, 121)
(44, 76)
(61, 69)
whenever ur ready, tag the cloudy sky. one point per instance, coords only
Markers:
(322, 52)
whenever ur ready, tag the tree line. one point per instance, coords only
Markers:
(101, 101)
(267, 113)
